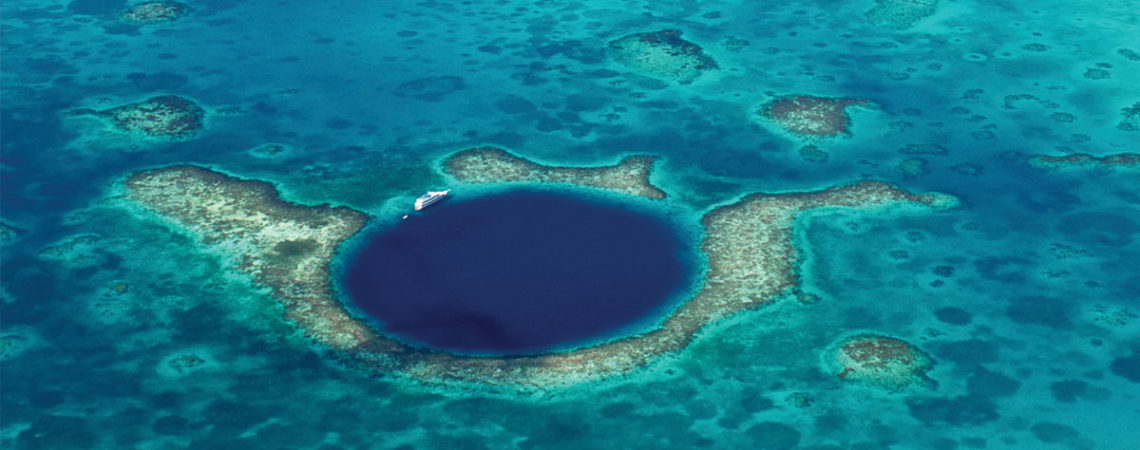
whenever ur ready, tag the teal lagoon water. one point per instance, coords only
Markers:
(122, 332)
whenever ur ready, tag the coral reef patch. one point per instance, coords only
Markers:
(813, 154)
(261, 233)
(912, 168)
(12, 344)
(881, 361)
(924, 149)
(1129, 118)
(9, 232)
(495, 165)
(167, 116)
(662, 54)
(1118, 160)
(811, 116)
(751, 262)
(155, 12)
(430, 88)
(900, 14)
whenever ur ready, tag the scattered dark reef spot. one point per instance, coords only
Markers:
(1068, 391)
(232, 417)
(602, 73)
(515, 105)
(989, 384)
(953, 316)
(564, 429)
(701, 409)
(171, 425)
(1004, 269)
(1097, 228)
(1039, 310)
(617, 409)
(943, 271)
(1128, 367)
(28, 128)
(956, 411)
(1047, 202)
(659, 104)
(944, 444)
(572, 49)
(548, 124)
(338, 123)
(130, 416)
(968, 352)
(97, 7)
(292, 250)
(585, 102)
(913, 168)
(41, 70)
(507, 139)
(1054, 433)
(161, 81)
(773, 435)
(47, 398)
(430, 88)
(754, 401)
(397, 419)
(924, 149)
(167, 400)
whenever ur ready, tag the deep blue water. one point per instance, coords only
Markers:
(518, 272)
(1026, 297)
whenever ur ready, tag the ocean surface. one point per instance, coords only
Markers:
(521, 272)
(119, 331)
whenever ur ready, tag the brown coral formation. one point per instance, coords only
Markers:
(185, 362)
(662, 54)
(1130, 118)
(1122, 160)
(900, 14)
(882, 361)
(494, 165)
(912, 168)
(259, 230)
(154, 12)
(287, 247)
(811, 116)
(168, 116)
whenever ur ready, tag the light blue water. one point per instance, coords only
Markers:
(191, 355)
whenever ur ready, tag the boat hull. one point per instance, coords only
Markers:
(429, 199)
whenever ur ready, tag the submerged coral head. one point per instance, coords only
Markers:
(156, 11)
(811, 116)
(662, 54)
(163, 116)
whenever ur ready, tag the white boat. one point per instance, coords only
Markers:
(430, 198)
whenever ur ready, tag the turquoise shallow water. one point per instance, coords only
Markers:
(132, 335)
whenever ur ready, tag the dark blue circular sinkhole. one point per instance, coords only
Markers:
(520, 272)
